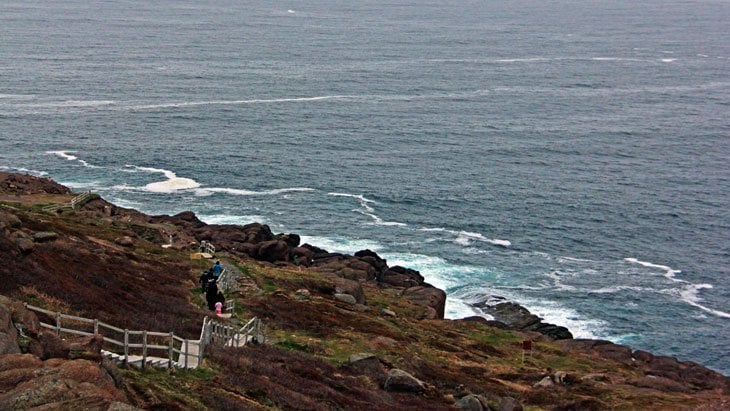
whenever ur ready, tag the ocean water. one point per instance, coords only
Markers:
(572, 156)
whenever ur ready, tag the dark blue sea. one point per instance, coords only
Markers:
(573, 156)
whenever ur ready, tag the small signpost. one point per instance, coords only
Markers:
(526, 346)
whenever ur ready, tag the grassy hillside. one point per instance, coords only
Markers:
(112, 266)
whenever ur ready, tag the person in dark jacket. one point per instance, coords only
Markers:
(204, 278)
(211, 294)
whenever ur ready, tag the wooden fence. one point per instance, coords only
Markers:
(135, 347)
(207, 247)
(79, 199)
(131, 346)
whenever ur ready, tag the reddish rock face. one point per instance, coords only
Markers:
(273, 251)
(401, 277)
(428, 296)
(20, 184)
(27, 382)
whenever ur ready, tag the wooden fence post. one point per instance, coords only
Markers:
(170, 352)
(144, 349)
(96, 327)
(186, 353)
(126, 346)
(58, 323)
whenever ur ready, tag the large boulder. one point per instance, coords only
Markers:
(370, 257)
(292, 240)
(520, 318)
(399, 380)
(470, 403)
(401, 277)
(368, 365)
(26, 382)
(186, 220)
(272, 251)
(344, 266)
(428, 296)
(8, 333)
(349, 287)
(19, 327)
(302, 256)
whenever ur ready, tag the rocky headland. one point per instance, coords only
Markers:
(345, 331)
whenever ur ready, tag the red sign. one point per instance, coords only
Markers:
(527, 345)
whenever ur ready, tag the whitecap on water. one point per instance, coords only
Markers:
(24, 170)
(340, 244)
(63, 154)
(232, 219)
(669, 272)
(690, 295)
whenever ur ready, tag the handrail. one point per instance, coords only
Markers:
(71, 204)
(207, 247)
(211, 331)
(126, 344)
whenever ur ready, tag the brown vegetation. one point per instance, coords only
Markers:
(313, 359)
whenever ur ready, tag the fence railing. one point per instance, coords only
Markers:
(231, 337)
(79, 199)
(207, 247)
(225, 280)
(132, 346)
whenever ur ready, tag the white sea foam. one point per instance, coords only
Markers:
(550, 311)
(232, 219)
(341, 245)
(124, 203)
(522, 60)
(81, 185)
(558, 285)
(669, 272)
(456, 308)
(291, 11)
(17, 96)
(172, 184)
(205, 191)
(575, 259)
(617, 59)
(368, 210)
(379, 221)
(361, 198)
(71, 104)
(465, 238)
(63, 154)
(690, 295)
(435, 230)
(186, 104)
(668, 60)
(620, 288)
(125, 187)
(24, 170)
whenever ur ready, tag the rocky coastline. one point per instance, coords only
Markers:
(357, 294)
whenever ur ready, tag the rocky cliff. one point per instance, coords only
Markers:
(345, 331)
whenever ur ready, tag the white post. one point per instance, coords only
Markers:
(144, 349)
(170, 351)
(126, 346)
(186, 353)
